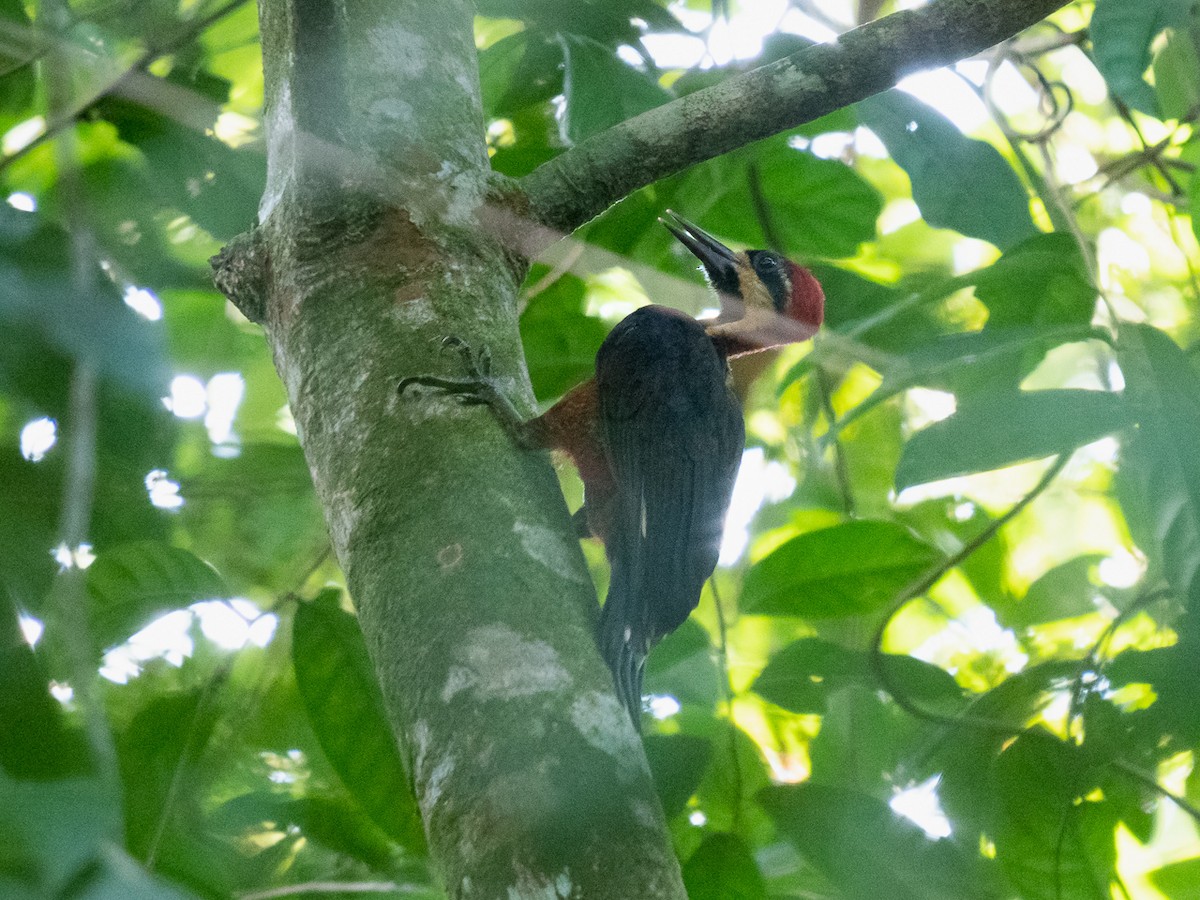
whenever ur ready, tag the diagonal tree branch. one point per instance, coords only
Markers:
(585, 180)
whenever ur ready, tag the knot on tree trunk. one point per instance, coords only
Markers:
(240, 273)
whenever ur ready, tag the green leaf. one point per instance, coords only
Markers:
(1121, 33)
(682, 666)
(847, 570)
(610, 22)
(1043, 280)
(193, 171)
(723, 868)
(803, 675)
(157, 753)
(1179, 880)
(332, 821)
(34, 742)
(601, 90)
(1066, 591)
(560, 341)
(345, 707)
(51, 832)
(1177, 75)
(860, 845)
(1160, 471)
(1050, 842)
(17, 60)
(817, 207)
(999, 430)
(131, 585)
(957, 182)
(521, 70)
(678, 763)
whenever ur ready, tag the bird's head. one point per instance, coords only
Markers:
(766, 299)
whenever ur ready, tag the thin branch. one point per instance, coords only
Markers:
(927, 581)
(581, 183)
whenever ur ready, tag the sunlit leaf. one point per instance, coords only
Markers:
(1160, 471)
(1003, 429)
(601, 90)
(1042, 281)
(1121, 35)
(803, 675)
(860, 844)
(771, 195)
(1068, 590)
(560, 341)
(848, 570)
(131, 585)
(1050, 843)
(958, 182)
(1177, 75)
(345, 706)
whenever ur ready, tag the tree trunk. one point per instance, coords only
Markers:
(457, 548)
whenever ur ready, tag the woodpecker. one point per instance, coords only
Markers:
(657, 436)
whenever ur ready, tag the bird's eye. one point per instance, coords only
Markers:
(765, 263)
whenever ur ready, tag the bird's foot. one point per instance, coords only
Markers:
(477, 387)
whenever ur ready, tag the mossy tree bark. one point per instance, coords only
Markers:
(471, 590)
(379, 235)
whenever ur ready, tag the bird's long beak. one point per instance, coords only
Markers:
(718, 260)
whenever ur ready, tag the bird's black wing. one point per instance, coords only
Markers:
(674, 435)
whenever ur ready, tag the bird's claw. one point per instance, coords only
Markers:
(474, 389)
(478, 363)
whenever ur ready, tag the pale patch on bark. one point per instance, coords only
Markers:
(499, 664)
(532, 886)
(604, 724)
(433, 786)
(549, 548)
(280, 153)
(392, 108)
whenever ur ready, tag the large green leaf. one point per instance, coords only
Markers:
(1043, 280)
(131, 585)
(723, 868)
(1067, 590)
(194, 172)
(957, 182)
(1000, 430)
(678, 763)
(345, 707)
(157, 753)
(560, 341)
(1177, 75)
(1160, 470)
(35, 741)
(1122, 32)
(1051, 842)
(847, 570)
(51, 832)
(814, 207)
(609, 22)
(803, 675)
(868, 852)
(601, 90)
(518, 71)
